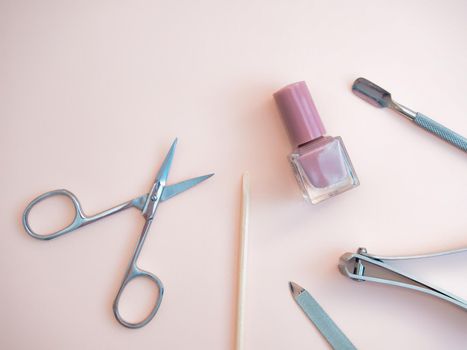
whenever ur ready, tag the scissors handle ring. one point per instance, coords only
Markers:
(135, 272)
(79, 220)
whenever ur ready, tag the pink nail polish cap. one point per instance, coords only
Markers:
(299, 113)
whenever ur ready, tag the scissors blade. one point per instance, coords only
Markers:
(163, 172)
(172, 190)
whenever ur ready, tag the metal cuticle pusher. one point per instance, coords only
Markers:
(378, 97)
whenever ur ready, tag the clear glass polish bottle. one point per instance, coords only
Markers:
(321, 164)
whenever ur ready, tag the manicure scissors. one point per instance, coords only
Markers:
(147, 203)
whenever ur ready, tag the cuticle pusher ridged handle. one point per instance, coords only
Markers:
(441, 131)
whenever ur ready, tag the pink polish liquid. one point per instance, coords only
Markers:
(321, 164)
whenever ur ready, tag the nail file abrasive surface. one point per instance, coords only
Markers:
(320, 319)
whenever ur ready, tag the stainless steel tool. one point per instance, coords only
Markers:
(147, 204)
(380, 98)
(362, 266)
(326, 326)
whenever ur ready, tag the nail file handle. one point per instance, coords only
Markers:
(335, 337)
(441, 131)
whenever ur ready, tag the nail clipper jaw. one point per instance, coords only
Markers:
(350, 265)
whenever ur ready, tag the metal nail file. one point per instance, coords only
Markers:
(335, 337)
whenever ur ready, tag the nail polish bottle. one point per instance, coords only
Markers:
(321, 163)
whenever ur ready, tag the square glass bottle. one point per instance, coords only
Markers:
(321, 164)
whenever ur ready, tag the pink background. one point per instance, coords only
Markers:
(93, 92)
